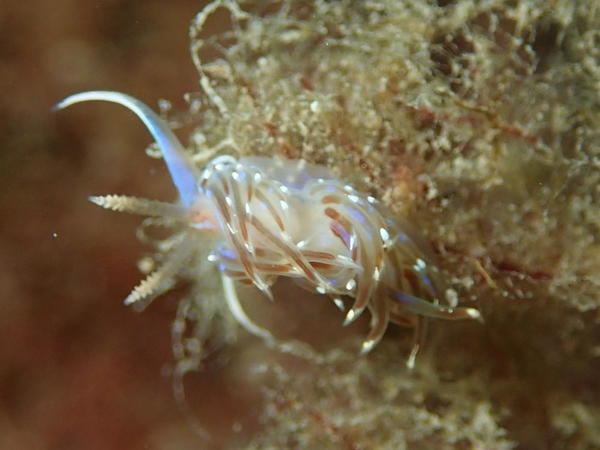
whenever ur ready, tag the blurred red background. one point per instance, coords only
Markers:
(78, 369)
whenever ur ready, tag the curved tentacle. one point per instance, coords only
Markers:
(380, 317)
(238, 312)
(419, 333)
(421, 307)
(182, 170)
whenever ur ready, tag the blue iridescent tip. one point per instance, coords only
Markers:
(182, 170)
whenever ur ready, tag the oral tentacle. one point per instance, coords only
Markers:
(182, 170)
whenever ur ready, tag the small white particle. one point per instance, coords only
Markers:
(257, 177)
(235, 175)
(367, 346)
(376, 274)
(351, 284)
(452, 297)
(301, 244)
(146, 265)
(340, 304)
(474, 314)
(352, 241)
(385, 236)
(284, 205)
(54, 235)
(315, 107)
(350, 316)
(371, 199)
(284, 189)
(164, 105)
(179, 327)
(212, 257)
(228, 201)
(321, 289)
(348, 188)
(419, 265)
(354, 198)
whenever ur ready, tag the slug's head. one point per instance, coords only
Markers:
(183, 172)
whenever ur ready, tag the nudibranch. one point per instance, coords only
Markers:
(269, 218)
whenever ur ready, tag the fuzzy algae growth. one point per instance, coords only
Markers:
(478, 123)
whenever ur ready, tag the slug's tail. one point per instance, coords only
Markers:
(182, 170)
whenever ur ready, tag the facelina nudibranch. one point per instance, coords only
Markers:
(270, 218)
